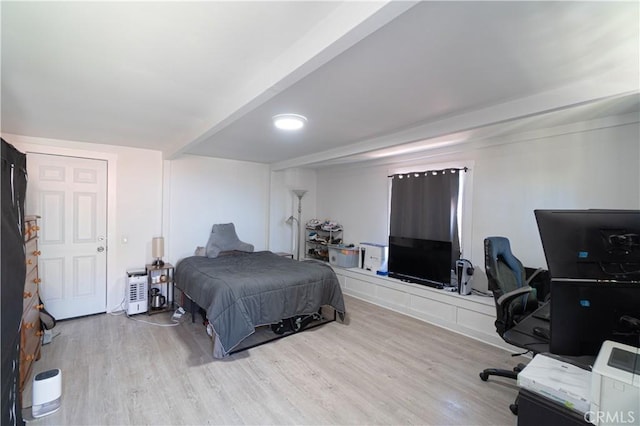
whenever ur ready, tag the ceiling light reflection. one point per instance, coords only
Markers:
(422, 145)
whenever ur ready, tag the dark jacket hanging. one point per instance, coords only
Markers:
(14, 185)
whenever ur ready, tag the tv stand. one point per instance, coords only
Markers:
(471, 315)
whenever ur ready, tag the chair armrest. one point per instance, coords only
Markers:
(505, 317)
(540, 280)
(506, 298)
(533, 275)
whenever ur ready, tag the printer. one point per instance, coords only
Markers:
(557, 380)
(373, 257)
(615, 385)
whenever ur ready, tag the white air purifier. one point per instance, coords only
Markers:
(47, 392)
(136, 296)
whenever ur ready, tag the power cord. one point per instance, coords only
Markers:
(175, 318)
(118, 309)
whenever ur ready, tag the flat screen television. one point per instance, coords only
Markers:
(601, 245)
(426, 262)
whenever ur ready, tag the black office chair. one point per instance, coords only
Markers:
(515, 299)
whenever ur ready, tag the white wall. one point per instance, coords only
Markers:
(357, 198)
(592, 168)
(203, 191)
(134, 201)
(181, 199)
(178, 199)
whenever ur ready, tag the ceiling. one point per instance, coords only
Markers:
(205, 78)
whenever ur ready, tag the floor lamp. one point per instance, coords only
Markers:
(299, 193)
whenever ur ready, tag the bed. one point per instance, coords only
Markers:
(244, 290)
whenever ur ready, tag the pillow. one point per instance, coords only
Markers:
(224, 238)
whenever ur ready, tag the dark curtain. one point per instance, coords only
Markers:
(14, 185)
(424, 205)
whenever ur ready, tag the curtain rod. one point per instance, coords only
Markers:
(464, 169)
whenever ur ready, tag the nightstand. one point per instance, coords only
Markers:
(161, 283)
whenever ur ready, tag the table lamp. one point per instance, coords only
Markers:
(157, 250)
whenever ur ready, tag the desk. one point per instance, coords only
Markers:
(534, 409)
(522, 336)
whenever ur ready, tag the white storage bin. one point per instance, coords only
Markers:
(344, 257)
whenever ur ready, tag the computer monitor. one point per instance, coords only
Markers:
(585, 313)
(601, 245)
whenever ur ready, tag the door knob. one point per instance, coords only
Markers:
(100, 249)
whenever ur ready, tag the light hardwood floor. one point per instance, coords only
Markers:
(380, 367)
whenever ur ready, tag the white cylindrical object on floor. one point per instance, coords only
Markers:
(47, 392)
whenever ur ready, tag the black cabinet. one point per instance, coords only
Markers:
(536, 410)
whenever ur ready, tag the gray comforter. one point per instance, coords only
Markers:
(246, 290)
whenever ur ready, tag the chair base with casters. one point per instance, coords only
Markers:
(510, 374)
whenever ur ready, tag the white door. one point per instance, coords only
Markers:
(70, 195)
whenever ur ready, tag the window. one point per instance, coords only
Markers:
(430, 205)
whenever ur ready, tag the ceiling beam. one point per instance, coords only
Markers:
(346, 26)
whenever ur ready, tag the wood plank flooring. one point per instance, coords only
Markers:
(379, 367)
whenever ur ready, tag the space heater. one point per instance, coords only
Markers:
(136, 296)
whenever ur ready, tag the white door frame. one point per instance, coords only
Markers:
(112, 288)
